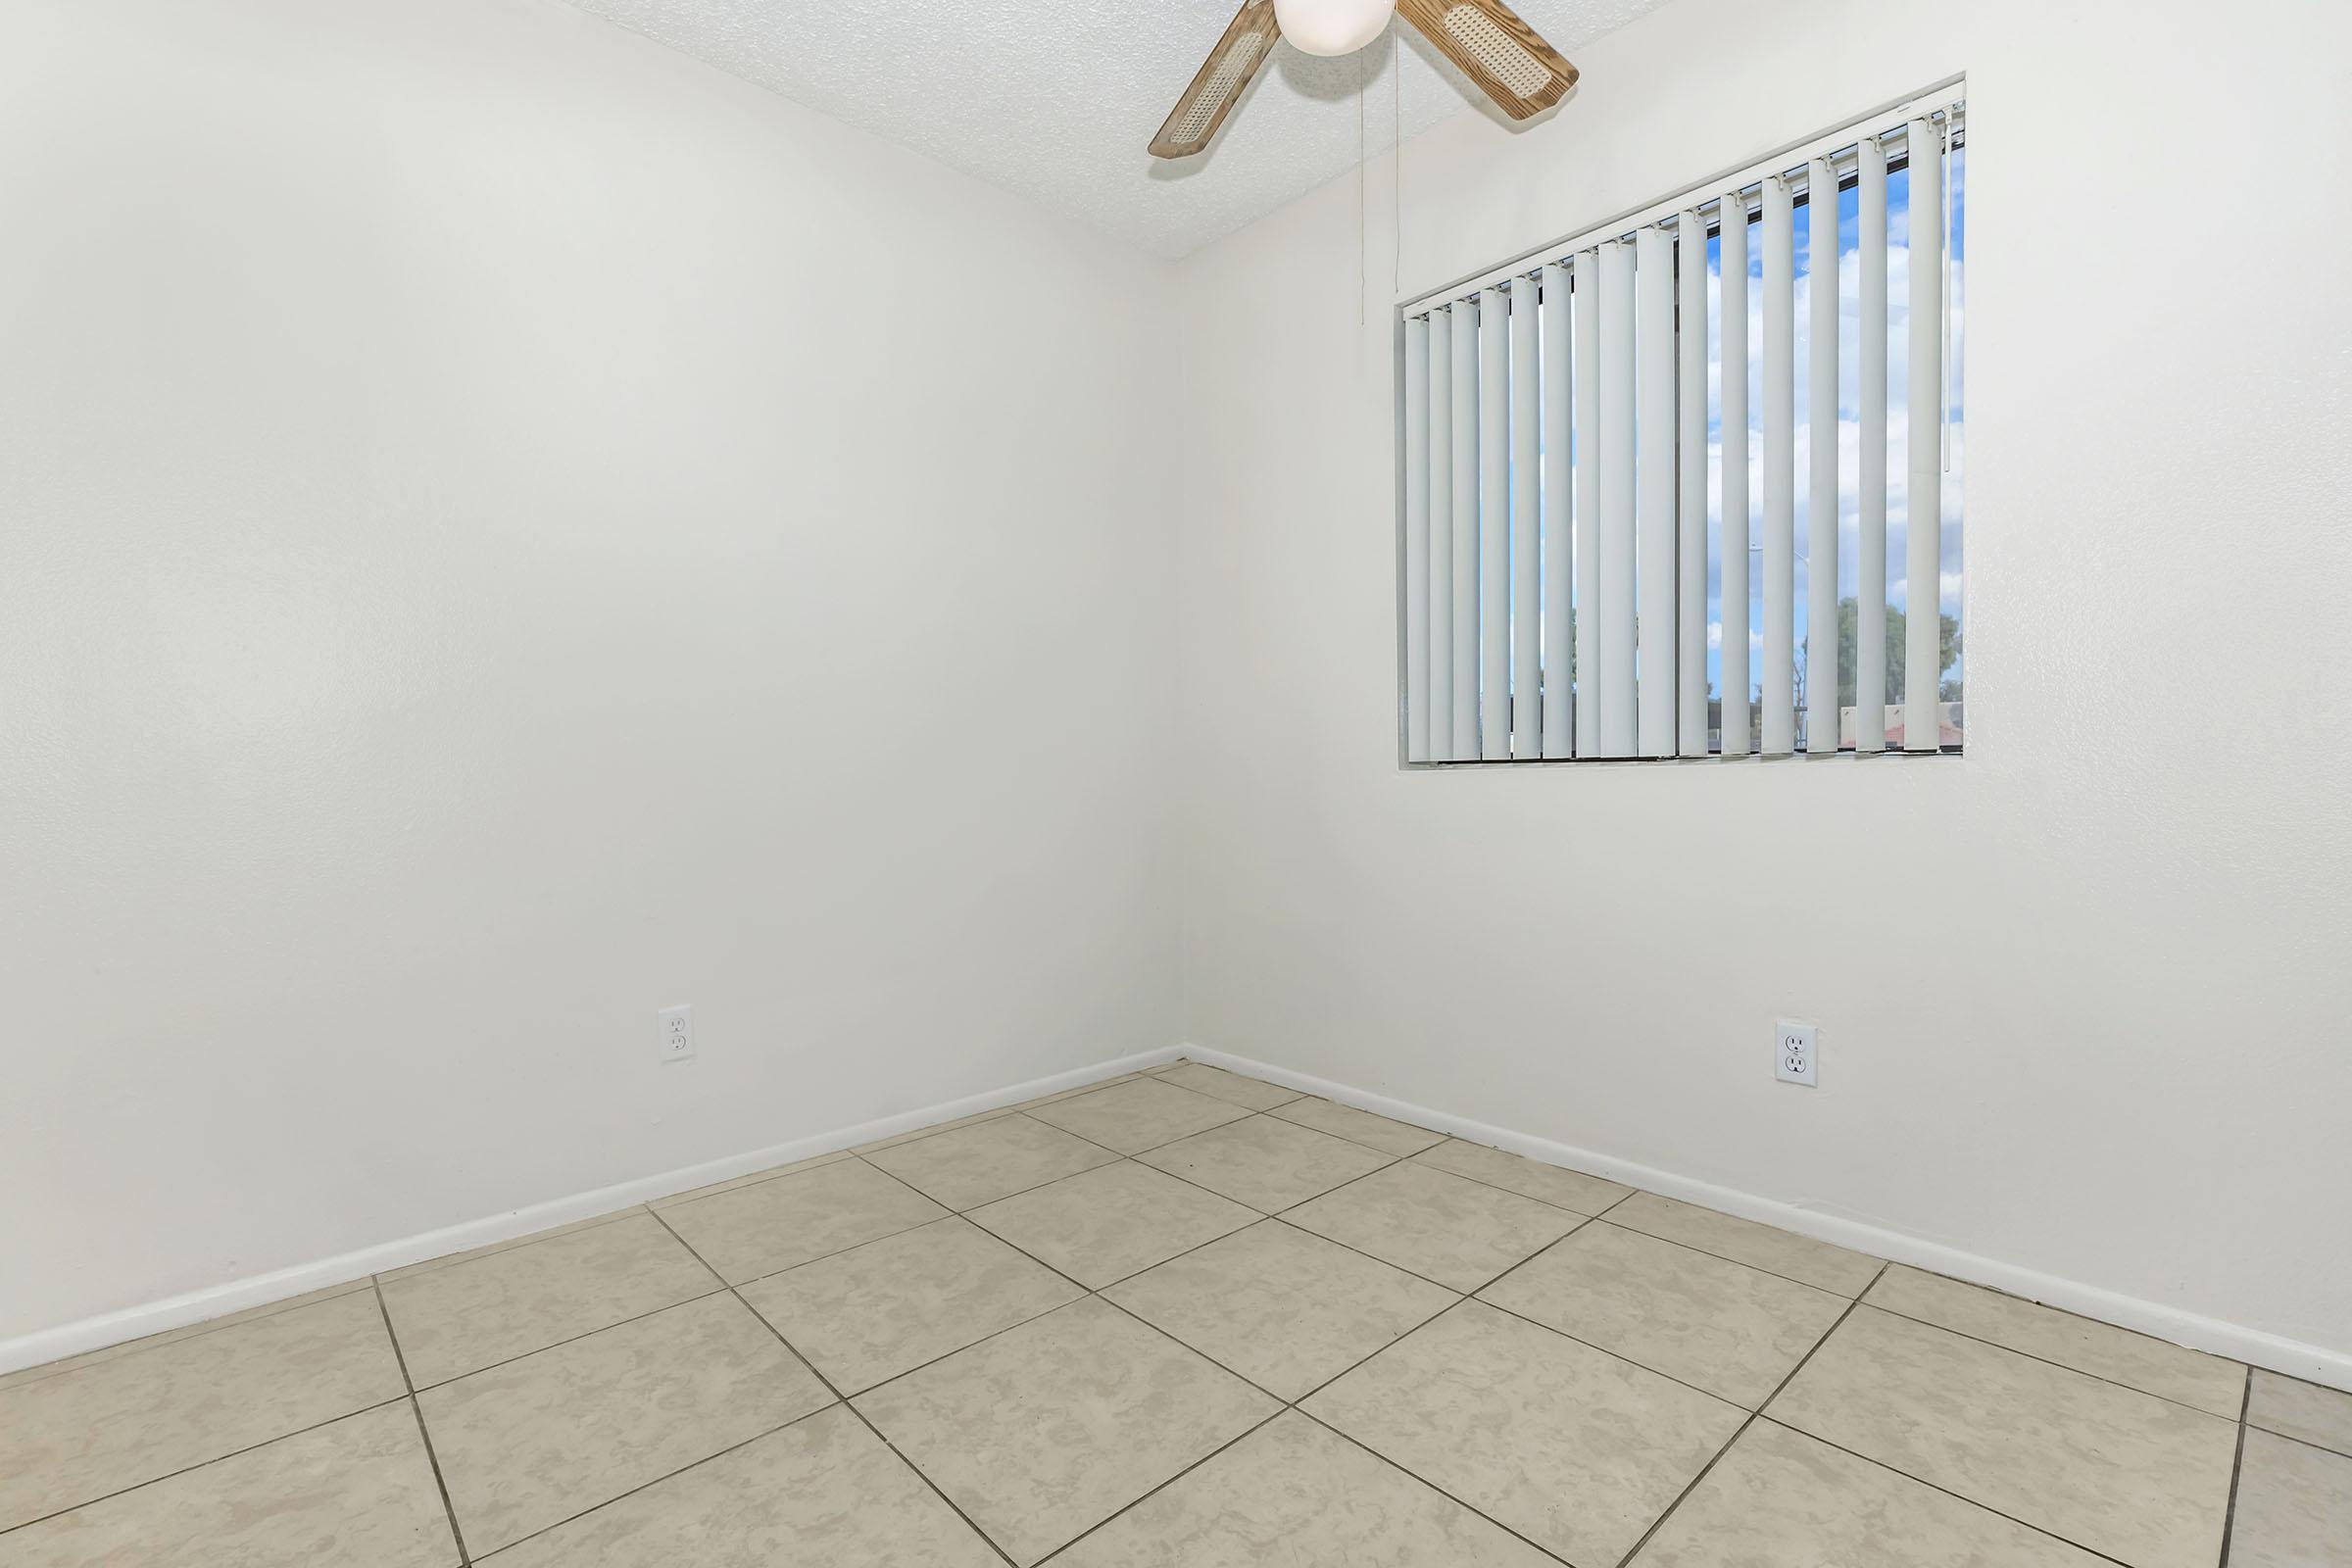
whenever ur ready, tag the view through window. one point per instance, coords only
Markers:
(1566, 507)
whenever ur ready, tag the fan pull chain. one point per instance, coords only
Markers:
(1363, 242)
(1396, 158)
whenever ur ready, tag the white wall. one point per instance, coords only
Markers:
(2137, 1069)
(457, 594)
(503, 528)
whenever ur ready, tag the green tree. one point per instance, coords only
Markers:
(1897, 648)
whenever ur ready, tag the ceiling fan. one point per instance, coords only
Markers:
(1507, 60)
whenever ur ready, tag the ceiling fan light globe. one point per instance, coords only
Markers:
(1332, 26)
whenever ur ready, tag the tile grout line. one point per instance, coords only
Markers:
(798, 1167)
(923, 1135)
(515, 1244)
(1247, 1113)
(375, 1284)
(1027, 1107)
(574, 1339)
(1435, 1137)
(1541, 1252)
(1242, 1114)
(1753, 1416)
(1415, 1159)
(957, 1124)
(960, 1212)
(1469, 1508)
(883, 1146)
(1726, 1258)
(720, 1189)
(839, 1252)
(1262, 1215)
(1932, 1486)
(433, 1265)
(746, 1182)
(993, 1334)
(1117, 1157)
(1269, 1213)
(24, 1377)
(827, 1385)
(1850, 1300)
(671, 1474)
(1361, 1359)
(456, 1532)
(1287, 1404)
(1996, 1344)
(1280, 1411)
(822, 1256)
(1099, 1294)
(1259, 1216)
(1620, 1355)
(2238, 1467)
(1548, 1202)
(185, 1469)
(1072, 1280)
(1478, 1294)
(1080, 1288)
(1862, 1300)
(720, 1287)
(2080, 1317)
(1881, 1464)
(1335, 1241)
(813, 1161)
(1154, 1329)
(1394, 1160)
(2300, 1443)
(724, 1290)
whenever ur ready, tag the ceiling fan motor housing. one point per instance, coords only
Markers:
(1332, 26)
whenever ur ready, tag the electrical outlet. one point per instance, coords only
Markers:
(677, 1033)
(1793, 1057)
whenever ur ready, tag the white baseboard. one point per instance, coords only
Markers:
(2313, 1362)
(218, 1300)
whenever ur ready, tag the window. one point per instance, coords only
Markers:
(1621, 537)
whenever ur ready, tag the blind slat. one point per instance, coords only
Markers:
(1923, 498)
(1870, 535)
(1584, 380)
(1416, 541)
(1465, 531)
(1526, 585)
(1558, 677)
(1660, 579)
(1614, 686)
(1821, 452)
(1779, 470)
(1494, 525)
(1691, 620)
(1734, 550)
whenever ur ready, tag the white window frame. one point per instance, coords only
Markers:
(1946, 105)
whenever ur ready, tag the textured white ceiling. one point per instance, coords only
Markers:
(1057, 99)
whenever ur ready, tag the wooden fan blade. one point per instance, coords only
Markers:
(1507, 60)
(1217, 85)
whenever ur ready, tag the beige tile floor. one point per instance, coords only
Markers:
(1184, 1319)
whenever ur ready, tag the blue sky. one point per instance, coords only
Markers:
(1898, 222)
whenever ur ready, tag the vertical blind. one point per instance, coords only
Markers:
(1577, 446)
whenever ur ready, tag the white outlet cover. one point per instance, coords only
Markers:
(1795, 1053)
(675, 1040)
